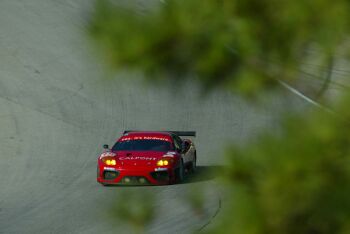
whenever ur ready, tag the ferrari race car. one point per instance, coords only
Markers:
(141, 158)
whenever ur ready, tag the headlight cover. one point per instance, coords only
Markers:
(164, 162)
(109, 161)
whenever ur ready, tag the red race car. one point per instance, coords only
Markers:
(140, 157)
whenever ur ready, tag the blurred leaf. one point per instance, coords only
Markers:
(295, 182)
(298, 182)
(196, 200)
(240, 45)
(134, 208)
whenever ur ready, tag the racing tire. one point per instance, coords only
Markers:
(194, 165)
(181, 173)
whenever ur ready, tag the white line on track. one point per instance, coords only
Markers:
(309, 100)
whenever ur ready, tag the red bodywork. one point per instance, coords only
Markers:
(140, 167)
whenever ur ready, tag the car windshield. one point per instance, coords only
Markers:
(142, 145)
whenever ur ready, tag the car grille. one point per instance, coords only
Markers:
(134, 180)
(110, 175)
(160, 175)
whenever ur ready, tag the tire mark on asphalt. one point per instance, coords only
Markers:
(213, 217)
(41, 112)
(74, 94)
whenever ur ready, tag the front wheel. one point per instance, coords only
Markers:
(194, 164)
(181, 173)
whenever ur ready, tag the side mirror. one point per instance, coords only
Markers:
(105, 146)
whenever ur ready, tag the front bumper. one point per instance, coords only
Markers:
(135, 176)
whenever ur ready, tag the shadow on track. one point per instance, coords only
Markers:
(203, 173)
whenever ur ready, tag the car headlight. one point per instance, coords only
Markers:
(109, 161)
(163, 162)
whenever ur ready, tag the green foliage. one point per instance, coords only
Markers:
(135, 209)
(241, 45)
(297, 182)
(196, 200)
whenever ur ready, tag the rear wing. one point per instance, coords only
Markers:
(179, 133)
(184, 133)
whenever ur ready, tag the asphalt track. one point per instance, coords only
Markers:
(58, 107)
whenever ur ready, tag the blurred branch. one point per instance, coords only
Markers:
(296, 182)
(181, 38)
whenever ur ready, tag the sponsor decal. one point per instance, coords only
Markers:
(109, 169)
(107, 154)
(126, 139)
(170, 154)
(129, 138)
(160, 169)
(137, 158)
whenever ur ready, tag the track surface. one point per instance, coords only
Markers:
(57, 109)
